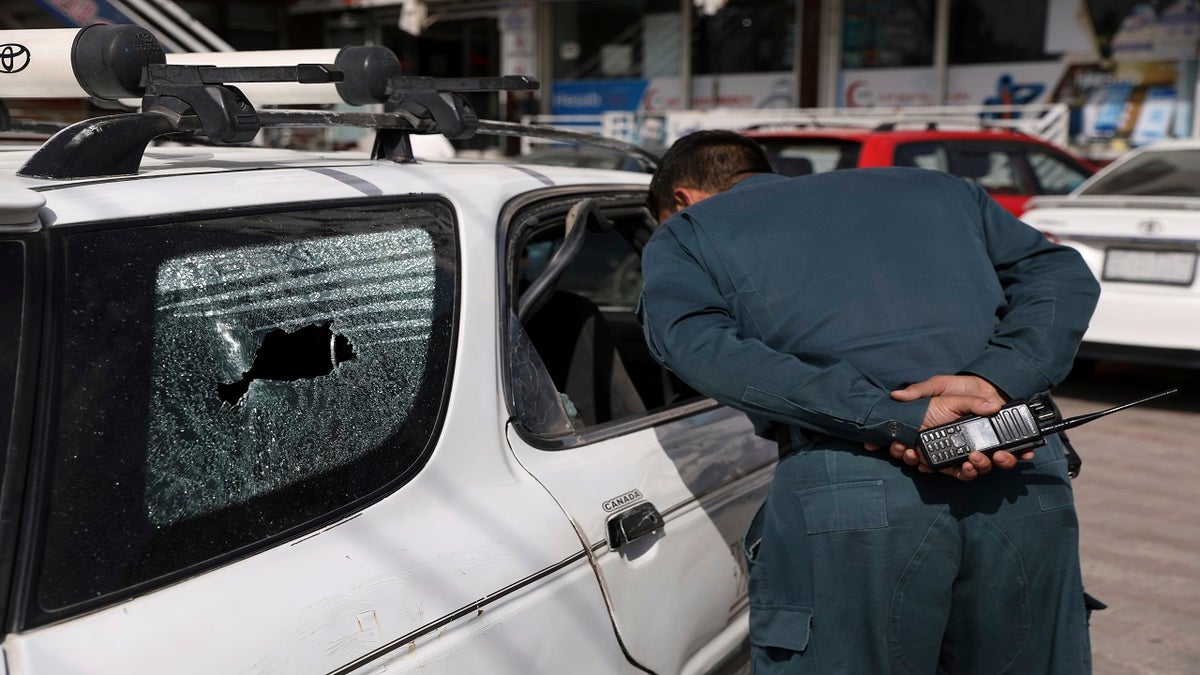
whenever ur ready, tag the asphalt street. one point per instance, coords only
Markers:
(1139, 513)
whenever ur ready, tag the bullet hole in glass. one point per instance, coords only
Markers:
(307, 353)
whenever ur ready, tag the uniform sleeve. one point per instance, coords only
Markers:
(1050, 294)
(690, 329)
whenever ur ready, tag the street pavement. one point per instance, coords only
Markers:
(1139, 511)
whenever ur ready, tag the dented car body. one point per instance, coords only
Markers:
(269, 411)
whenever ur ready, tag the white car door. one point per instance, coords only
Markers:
(662, 485)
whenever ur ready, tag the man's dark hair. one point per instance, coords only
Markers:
(711, 160)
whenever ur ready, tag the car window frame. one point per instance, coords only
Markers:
(851, 150)
(1061, 156)
(509, 235)
(1014, 150)
(15, 489)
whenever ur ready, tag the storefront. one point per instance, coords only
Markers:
(1126, 68)
(649, 56)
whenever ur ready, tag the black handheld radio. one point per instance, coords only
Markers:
(1016, 428)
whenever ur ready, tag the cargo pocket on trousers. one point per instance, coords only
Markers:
(780, 627)
(844, 506)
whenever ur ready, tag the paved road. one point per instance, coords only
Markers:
(1138, 498)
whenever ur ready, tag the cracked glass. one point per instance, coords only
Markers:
(226, 381)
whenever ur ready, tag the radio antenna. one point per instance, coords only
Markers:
(1073, 422)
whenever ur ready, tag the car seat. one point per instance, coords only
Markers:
(575, 343)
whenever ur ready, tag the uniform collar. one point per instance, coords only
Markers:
(758, 179)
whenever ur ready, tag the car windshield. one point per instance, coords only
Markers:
(1154, 173)
(802, 156)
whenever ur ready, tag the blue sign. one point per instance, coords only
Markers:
(1113, 99)
(593, 97)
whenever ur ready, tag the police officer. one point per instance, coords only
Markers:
(843, 312)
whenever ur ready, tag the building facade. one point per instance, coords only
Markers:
(1126, 68)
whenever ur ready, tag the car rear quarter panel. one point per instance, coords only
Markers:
(1141, 315)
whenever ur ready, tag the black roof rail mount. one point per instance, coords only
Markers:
(225, 115)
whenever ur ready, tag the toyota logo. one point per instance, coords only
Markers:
(13, 58)
(1150, 226)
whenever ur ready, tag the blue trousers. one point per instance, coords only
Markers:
(859, 565)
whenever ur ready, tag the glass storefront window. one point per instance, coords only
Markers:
(983, 31)
(615, 39)
(744, 36)
(888, 33)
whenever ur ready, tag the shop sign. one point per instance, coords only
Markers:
(517, 53)
(991, 84)
(593, 97)
(757, 90)
(660, 94)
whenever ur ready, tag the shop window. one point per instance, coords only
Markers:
(615, 39)
(988, 32)
(888, 33)
(744, 36)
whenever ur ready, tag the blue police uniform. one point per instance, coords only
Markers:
(804, 302)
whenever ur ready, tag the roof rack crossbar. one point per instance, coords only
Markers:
(442, 100)
(225, 114)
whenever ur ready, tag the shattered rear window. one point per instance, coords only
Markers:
(227, 380)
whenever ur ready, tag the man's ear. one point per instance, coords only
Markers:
(685, 197)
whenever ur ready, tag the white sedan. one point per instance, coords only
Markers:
(1137, 224)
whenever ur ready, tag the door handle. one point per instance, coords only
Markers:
(633, 524)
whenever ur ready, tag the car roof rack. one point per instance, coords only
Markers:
(184, 100)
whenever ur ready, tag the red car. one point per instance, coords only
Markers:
(1014, 167)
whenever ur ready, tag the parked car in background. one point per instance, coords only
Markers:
(1013, 166)
(1137, 224)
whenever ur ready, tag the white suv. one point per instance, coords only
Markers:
(276, 411)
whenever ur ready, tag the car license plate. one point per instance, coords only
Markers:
(1177, 268)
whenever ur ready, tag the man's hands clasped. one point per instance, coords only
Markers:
(951, 397)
